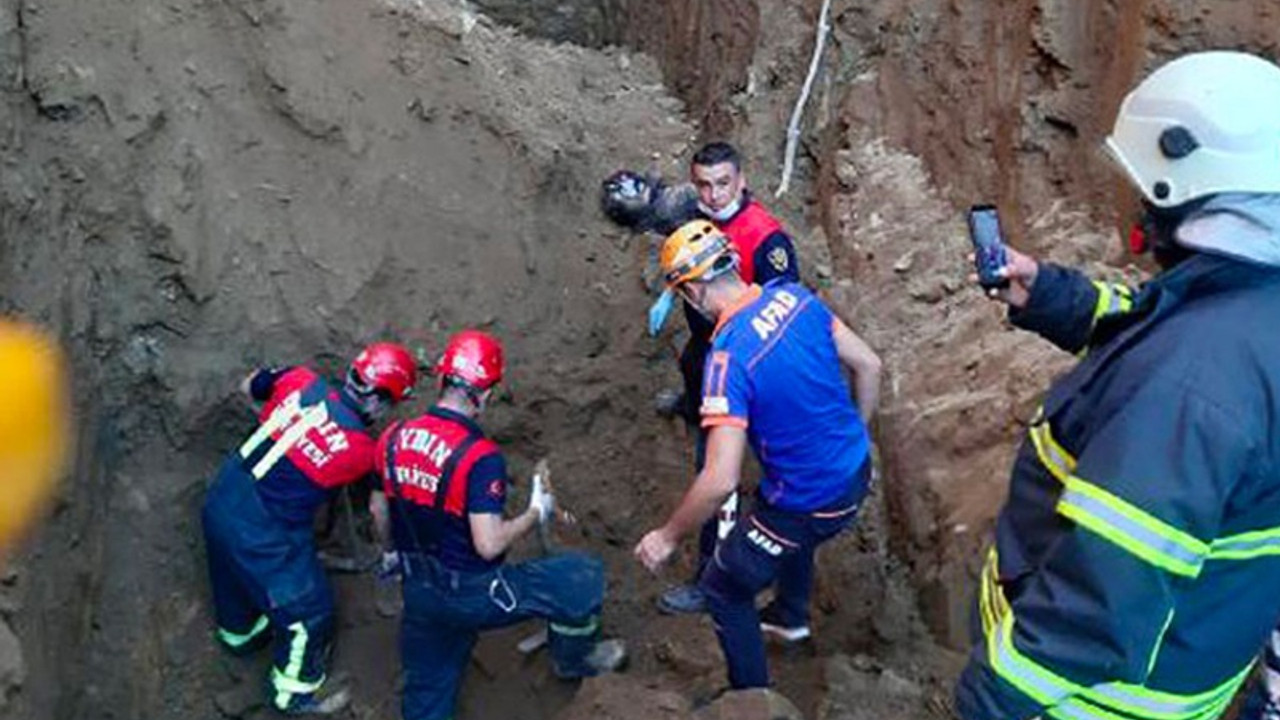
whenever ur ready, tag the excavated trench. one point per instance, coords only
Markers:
(189, 189)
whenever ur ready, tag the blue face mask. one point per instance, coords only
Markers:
(659, 311)
(721, 215)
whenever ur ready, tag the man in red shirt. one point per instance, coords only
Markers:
(267, 583)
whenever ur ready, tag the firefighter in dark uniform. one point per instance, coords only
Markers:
(1136, 567)
(441, 493)
(267, 582)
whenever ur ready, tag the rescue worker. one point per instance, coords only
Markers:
(1136, 566)
(765, 254)
(268, 585)
(443, 487)
(34, 427)
(774, 381)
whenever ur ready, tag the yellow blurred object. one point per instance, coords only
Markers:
(34, 426)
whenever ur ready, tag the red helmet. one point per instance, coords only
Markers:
(385, 366)
(474, 358)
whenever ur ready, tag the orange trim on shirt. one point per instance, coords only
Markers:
(727, 420)
(751, 295)
(719, 374)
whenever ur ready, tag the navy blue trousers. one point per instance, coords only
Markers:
(767, 546)
(445, 610)
(266, 578)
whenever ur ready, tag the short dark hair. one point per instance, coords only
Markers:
(714, 153)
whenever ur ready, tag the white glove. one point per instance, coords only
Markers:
(541, 499)
(389, 565)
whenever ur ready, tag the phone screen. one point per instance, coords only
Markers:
(988, 245)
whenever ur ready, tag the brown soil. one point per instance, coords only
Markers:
(188, 189)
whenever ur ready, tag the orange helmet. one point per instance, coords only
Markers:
(34, 425)
(697, 250)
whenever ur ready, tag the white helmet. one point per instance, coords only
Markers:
(1203, 124)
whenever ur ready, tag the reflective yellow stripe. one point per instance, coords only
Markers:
(287, 687)
(992, 606)
(288, 682)
(1146, 703)
(1247, 545)
(1155, 650)
(239, 640)
(1036, 681)
(1074, 702)
(1114, 519)
(1105, 299)
(1113, 299)
(576, 630)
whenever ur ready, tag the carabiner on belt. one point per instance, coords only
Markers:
(501, 594)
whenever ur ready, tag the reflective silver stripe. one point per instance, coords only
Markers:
(1058, 460)
(1023, 673)
(1161, 706)
(1081, 501)
(1248, 545)
(1113, 299)
(1186, 561)
(1073, 709)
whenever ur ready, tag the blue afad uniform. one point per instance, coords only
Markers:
(437, 470)
(1136, 568)
(774, 371)
(257, 526)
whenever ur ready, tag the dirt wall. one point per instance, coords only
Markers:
(192, 190)
(986, 102)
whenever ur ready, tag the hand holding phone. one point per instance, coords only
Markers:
(989, 254)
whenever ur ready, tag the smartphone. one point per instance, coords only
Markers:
(988, 245)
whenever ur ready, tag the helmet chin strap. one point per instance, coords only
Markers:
(477, 399)
(369, 403)
(1157, 231)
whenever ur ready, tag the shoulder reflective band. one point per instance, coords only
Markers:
(1122, 523)
(290, 418)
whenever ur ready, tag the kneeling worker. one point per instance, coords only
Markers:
(268, 586)
(443, 489)
(773, 379)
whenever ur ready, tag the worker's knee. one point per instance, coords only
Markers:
(573, 581)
